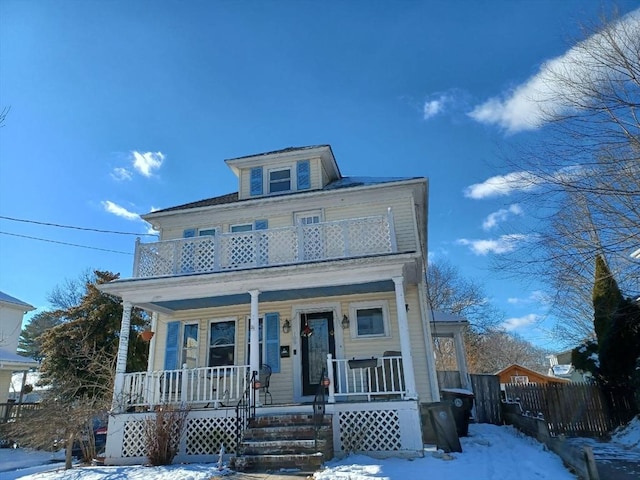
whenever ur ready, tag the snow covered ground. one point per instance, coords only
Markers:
(489, 453)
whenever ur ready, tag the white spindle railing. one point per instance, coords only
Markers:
(371, 377)
(279, 246)
(214, 386)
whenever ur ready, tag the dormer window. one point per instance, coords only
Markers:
(280, 180)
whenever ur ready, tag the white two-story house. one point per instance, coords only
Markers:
(303, 285)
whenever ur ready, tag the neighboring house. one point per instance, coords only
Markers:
(561, 367)
(12, 312)
(320, 277)
(31, 379)
(522, 375)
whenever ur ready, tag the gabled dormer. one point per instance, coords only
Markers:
(284, 171)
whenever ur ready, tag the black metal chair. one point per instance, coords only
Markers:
(264, 377)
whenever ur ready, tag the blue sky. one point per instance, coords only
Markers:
(120, 107)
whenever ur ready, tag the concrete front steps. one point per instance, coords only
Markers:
(285, 441)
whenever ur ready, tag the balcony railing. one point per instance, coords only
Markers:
(212, 386)
(260, 248)
(371, 378)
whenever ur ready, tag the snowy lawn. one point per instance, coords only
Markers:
(489, 453)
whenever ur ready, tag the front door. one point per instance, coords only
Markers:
(315, 348)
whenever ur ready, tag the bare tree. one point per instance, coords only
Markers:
(583, 177)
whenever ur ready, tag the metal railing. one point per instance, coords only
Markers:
(212, 386)
(245, 410)
(349, 238)
(320, 404)
(373, 378)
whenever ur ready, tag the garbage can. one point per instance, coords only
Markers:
(461, 402)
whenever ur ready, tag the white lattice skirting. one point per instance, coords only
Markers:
(380, 429)
(206, 431)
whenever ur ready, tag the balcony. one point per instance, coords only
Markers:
(357, 237)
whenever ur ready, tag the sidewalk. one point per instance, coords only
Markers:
(614, 461)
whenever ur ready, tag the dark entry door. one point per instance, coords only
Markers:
(315, 348)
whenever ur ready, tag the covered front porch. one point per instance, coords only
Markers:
(368, 379)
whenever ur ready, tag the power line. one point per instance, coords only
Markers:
(76, 228)
(65, 243)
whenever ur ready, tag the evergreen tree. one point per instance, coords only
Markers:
(606, 299)
(30, 341)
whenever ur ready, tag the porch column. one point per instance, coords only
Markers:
(254, 328)
(427, 321)
(461, 360)
(405, 339)
(121, 362)
(152, 344)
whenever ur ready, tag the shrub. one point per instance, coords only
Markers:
(162, 433)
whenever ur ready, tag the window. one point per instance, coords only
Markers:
(269, 335)
(222, 343)
(520, 379)
(369, 320)
(245, 227)
(313, 245)
(280, 180)
(206, 231)
(190, 345)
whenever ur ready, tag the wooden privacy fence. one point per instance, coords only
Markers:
(575, 409)
(486, 389)
(11, 411)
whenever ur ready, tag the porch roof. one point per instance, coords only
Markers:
(276, 283)
(275, 296)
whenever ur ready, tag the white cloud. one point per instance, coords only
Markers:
(530, 104)
(503, 244)
(501, 215)
(502, 185)
(433, 107)
(537, 296)
(146, 163)
(119, 211)
(121, 174)
(515, 323)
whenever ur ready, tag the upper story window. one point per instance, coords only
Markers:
(280, 180)
(284, 178)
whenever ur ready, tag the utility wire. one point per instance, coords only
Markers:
(76, 228)
(65, 243)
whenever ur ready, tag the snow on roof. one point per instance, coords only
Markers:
(344, 182)
(8, 358)
(14, 301)
(562, 369)
(447, 317)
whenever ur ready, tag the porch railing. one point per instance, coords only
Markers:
(260, 248)
(375, 378)
(212, 386)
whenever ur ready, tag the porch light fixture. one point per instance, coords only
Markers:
(286, 326)
(345, 322)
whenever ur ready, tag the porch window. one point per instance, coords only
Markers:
(280, 180)
(222, 343)
(369, 320)
(269, 335)
(190, 345)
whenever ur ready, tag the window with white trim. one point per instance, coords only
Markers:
(207, 231)
(369, 319)
(222, 343)
(190, 344)
(520, 379)
(280, 180)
